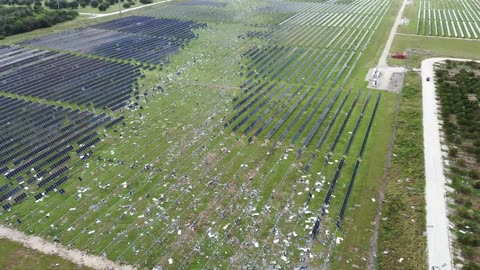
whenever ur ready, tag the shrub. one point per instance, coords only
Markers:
(462, 162)
(94, 4)
(83, 4)
(471, 266)
(452, 152)
(146, 1)
(73, 5)
(474, 174)
(102, 7)
(126, 5)
(476, 185)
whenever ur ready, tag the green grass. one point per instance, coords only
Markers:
(402, 223)
(411, 13)
(14, 256)
(427, 47)
(181, 134)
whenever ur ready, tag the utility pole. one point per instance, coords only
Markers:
(58, 4)
(120, 6)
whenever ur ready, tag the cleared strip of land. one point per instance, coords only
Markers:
(74, 255)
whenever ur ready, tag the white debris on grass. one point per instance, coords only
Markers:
(339, 240)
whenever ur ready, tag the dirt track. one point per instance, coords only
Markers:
(100, 15)
(382, 62)
(438, 235)
(74, 255)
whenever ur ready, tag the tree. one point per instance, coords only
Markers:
(102, 7)
(73, 5)
(94, 4)
(452, 152)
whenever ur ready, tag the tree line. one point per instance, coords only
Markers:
(102, 5)
(16, 20)
(458, 90)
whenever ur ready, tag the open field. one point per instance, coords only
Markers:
(14, 256)
(250, 142)
(401, 237)
(422, 47)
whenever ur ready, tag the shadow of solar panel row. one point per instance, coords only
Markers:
(142, 39)
(37, 141)
(69, 78)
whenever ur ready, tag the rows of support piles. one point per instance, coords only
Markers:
(142, 39)
(191, 196)
(459, 19)
(300, 187)
(294, 94)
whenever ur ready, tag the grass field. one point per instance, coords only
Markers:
(401, 237)
(178, 183)
(14, 256)
(422, 47)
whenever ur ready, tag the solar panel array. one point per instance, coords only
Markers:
(36, 142)
(67, 78)
(142, 39)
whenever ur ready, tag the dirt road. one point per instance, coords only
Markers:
(438, 235)
(100, 15)
(382, 62)
(74, 255)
